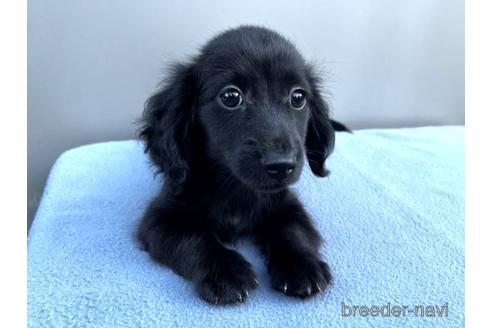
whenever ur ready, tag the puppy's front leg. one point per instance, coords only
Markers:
(291, 245)
(178, 240)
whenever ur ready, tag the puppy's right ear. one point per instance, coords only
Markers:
(320, 137)
(167, 125)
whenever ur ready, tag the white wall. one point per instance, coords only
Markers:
(92, 64)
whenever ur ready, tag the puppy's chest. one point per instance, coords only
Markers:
(233, 216)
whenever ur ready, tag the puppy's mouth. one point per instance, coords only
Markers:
(272, 189)
(265, 183)
(267, 174)
(264, 186)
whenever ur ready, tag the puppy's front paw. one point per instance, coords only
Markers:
(228, 282)
(300, 277)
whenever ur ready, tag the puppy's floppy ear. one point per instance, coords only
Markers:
(167, 124)
(320, 138)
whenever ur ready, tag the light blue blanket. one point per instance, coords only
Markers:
(392, 215)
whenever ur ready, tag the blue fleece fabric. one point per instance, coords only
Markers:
(391, 213)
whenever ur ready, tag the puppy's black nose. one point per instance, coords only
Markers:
(279, 167)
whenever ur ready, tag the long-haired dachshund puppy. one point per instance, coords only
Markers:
(230, 130)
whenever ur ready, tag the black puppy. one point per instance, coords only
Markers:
(230, 130)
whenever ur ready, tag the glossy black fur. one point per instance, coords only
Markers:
(216, 189)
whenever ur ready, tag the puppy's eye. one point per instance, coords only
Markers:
(231, 98)
(298, 98)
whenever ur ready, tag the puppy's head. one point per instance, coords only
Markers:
(257, 105)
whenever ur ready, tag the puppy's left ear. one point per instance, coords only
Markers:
(320, 137)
